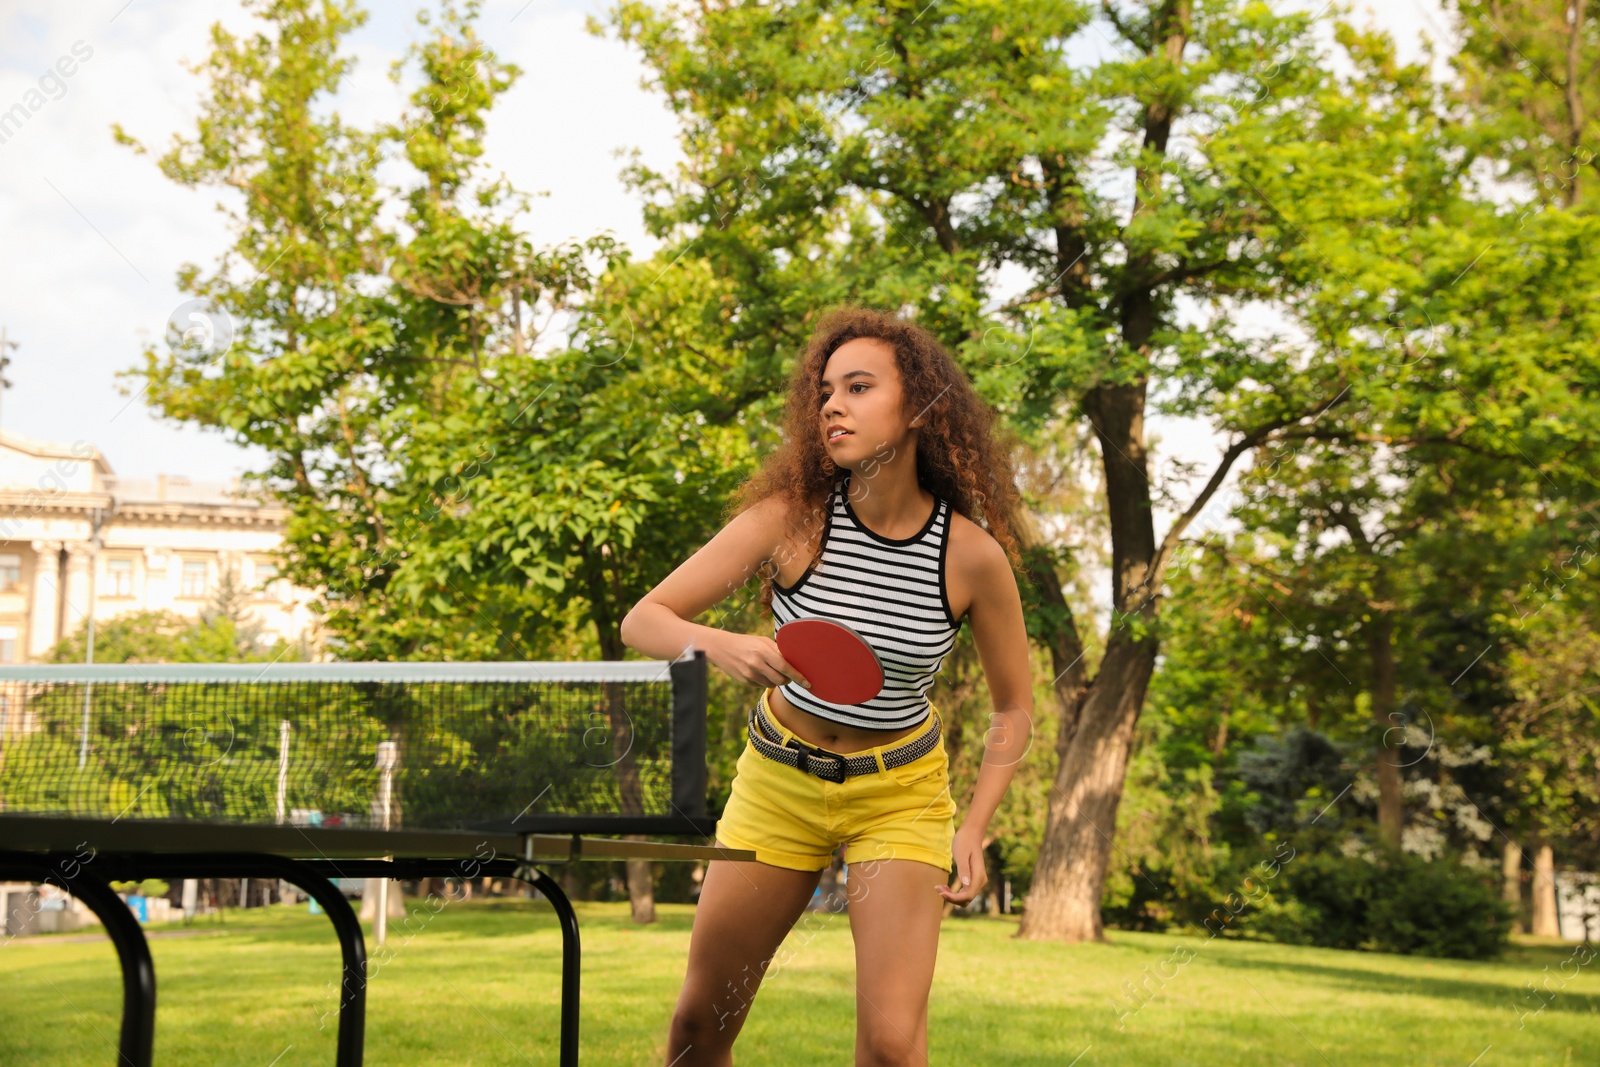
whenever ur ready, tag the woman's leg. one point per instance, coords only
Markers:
(899, 827)
(894, 916)
(745, 911)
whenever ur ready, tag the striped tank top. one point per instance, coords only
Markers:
(890, 591)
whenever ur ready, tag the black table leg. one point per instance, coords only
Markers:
(571, 958)
(353, 946)
(312, 876)
(571, 948)
(138, 971)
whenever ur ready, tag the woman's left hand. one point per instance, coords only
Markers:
(971, 872)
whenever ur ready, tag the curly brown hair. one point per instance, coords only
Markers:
(963, 454)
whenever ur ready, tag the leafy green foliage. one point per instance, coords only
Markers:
(1394, 902)
(367, 310)
(460, 483)
(1531, 75)
(167, 637)
(1282, 772)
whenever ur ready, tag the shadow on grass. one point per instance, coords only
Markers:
(1486, 992)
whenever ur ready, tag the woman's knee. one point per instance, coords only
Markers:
(892, 1043)
(708, 1022)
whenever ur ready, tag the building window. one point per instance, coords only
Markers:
(268, 583)
(10, 573)
(194, 578)
(119, 577)
(8, 644)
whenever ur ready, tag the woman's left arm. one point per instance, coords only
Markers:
(1001, 638)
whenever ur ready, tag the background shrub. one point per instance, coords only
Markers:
(1435, 908)
(1391, 902)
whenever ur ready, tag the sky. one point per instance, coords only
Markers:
(95, 235)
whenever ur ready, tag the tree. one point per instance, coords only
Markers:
(359, 310)
(229, 608)
(1548, 745)
(1463, 537)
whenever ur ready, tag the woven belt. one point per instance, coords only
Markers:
(831, 766)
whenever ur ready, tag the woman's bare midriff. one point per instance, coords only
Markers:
(829, 735)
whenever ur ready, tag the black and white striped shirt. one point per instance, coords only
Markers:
(890, 591)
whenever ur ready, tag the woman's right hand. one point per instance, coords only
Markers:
(753, 660)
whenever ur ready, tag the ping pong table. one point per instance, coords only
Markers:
(123, 772)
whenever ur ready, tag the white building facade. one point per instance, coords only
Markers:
(72, 532)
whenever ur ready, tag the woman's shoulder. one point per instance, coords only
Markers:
(966, 536)
(971, 546)
(792, 520)
(973, 561)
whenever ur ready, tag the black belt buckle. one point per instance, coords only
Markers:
(809, 758)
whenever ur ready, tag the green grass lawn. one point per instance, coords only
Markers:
(478, 983)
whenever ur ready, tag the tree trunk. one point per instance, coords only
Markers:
(1219, 743)
(1098, 716)
(630, 790)
(1544, 892)
(1096, 732)
(641, 886)
(1511, 882)
(1070, 876)
(1391, 733)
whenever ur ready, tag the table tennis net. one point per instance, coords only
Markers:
(395, 745)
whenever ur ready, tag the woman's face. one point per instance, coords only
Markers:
(861, 393)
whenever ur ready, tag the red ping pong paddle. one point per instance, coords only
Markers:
(841, 667)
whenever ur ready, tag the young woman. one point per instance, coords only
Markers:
(864, 515)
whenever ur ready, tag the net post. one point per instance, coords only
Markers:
(388, 758)
(689, 735)
(283, 770)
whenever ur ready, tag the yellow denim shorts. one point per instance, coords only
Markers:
(794, 819)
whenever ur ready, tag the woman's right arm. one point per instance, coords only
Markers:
(659, 625)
